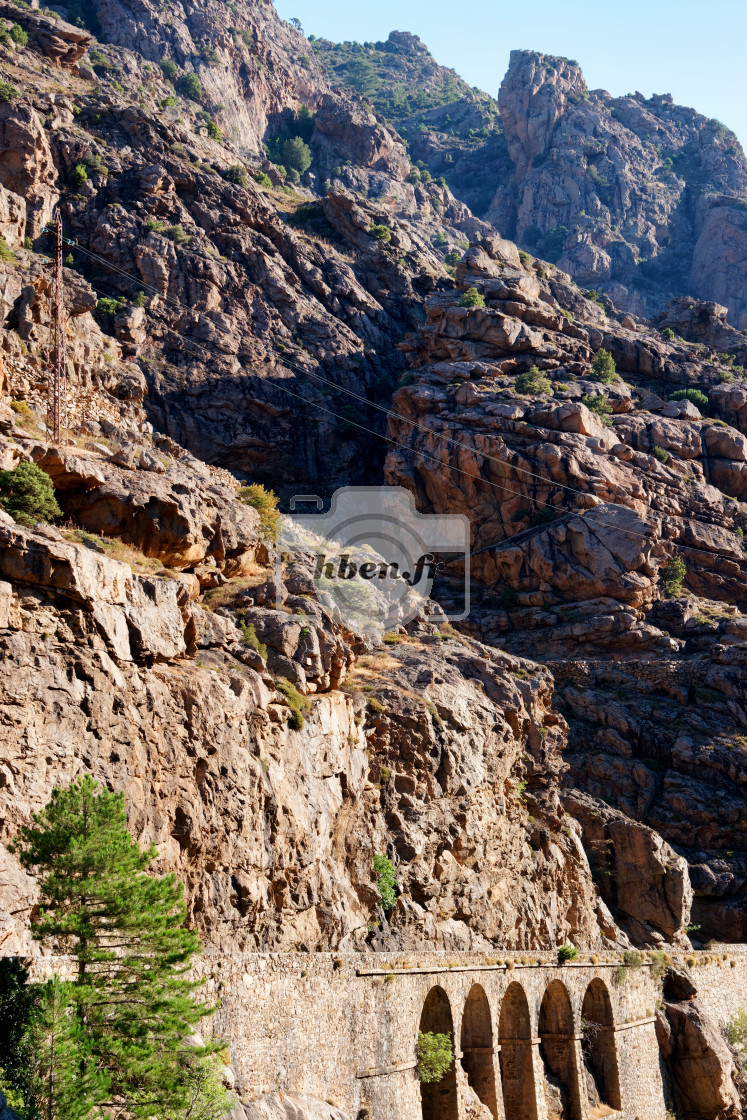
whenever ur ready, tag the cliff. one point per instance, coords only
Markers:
(636, 197)
(229, 322)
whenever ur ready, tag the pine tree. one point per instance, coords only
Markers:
(64, 1082)
(27, 494)
(45, 1067)
(16, 1006)
(603, 366)
(125, 932)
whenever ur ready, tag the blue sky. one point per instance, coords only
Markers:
(694, 51)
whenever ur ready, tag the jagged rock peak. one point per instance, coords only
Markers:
(406, 41)
(533, 97)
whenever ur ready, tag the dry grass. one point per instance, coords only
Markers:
(226, 595)
(118, 550)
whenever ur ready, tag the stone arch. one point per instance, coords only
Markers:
(439, 1099)
(517, 1067)
(600, 1050)
(558, 1053)
(477, 1047)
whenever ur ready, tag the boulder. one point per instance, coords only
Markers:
(678, 985)
(699, 1062)
(280, 1106)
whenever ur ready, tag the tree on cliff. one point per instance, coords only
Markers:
(127, 1015)
(27, 494)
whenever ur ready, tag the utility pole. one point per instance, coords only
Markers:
(57, 379)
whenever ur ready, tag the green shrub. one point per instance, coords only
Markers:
(452, 258)
(525, 259)
(695, 396)
(673, 575)
(266, 504)
(435, 1054)
(176, 234)
(169, 68)
(532, 380)
(154, 226)
(668, 334)
(214, 131)
(27, 494)
(603, 366)
(249, 638)
(599, 405)
(8, 92)
(632, 958)
(544, 516)
(169, 102)
(6, 253)
(296, 154)
(263, 180)
(109, 306)
(386, 881)
(471, 298)
(297, 701)
(100, 62)
(78, 175)
(660, 454)
(18, 35)
(190, 86)
(380, 232)
(140, 300)
(238, 175)
(507, 598)
(737, 1029)
(567, 953)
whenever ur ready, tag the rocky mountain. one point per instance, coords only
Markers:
(569, 763)
(641, 199)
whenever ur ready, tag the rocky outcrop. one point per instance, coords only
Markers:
(698, 1061)
(579, 156)
(283, 1107)
(559, 168)
(273, 829)
(644, 882)
(55, 39)
(575, 514)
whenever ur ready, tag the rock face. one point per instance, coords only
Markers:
(283, 1107)
(273, 830)
(561, 169)
(579, 158)
(215, 303)
(698, 1061)
(574, 514)
(640, 876)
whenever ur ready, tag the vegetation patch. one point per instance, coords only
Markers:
(297, 701)
(434, 1054)
(27, 494)
(386, 878)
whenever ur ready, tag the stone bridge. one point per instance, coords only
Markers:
(533, 1040)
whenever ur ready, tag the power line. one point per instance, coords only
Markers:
(586, 514)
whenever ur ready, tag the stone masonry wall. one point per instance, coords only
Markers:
(343, 1027)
